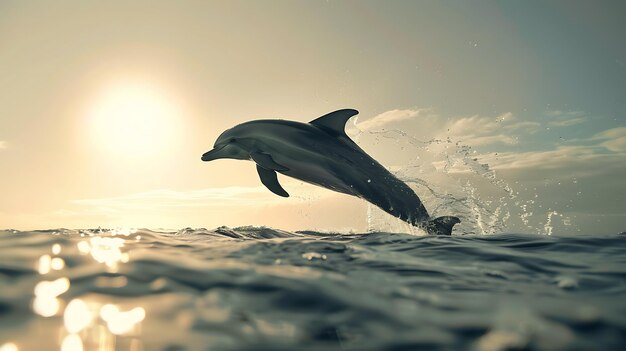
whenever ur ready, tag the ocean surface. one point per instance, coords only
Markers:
(257, 288)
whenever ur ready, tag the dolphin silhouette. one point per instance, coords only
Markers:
(321, 153)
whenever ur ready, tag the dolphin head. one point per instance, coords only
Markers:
(227, 146)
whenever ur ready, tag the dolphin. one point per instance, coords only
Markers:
(320, 153)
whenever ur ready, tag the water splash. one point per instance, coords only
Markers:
(450, 179)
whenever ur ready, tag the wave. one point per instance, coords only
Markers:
(261, 288)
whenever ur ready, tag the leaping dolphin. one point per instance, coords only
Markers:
(320, 153)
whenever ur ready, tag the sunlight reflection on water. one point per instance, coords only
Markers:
(77, 316)
(47, 263)
(46, 303)
(72, 342)
(87, 323)
(120, 322)
(107, 250)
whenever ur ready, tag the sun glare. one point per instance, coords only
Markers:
(133, 119)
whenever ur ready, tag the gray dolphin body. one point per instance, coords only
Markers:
(321, 153)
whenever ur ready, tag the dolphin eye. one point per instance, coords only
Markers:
(232, 140)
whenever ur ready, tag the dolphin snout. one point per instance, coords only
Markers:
(211, 155)
(230, 150)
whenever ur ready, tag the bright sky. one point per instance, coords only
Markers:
(106, 107)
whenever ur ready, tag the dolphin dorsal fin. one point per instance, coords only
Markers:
(335, 122)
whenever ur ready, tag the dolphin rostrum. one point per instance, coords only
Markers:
(321, 153)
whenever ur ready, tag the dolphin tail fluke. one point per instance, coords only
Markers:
(441, 225)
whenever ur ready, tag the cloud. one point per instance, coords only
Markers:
(565, 118)
(559, 113)
(613, 133)
(479, 123)
(549, 159)
(567, 122)
(507, 129)
(478, 130)
(471, 130)
(491, 139)
(615, 139)
(581, 156)
(211, 197)
(615, 145)
(528, 126)
(391, 116)
(3, 144)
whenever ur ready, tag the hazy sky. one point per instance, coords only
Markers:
(106, 107)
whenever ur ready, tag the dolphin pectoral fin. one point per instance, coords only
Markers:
(270, 180)
(335, 122)
(266, 161)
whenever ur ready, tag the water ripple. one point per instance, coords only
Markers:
(254, 288)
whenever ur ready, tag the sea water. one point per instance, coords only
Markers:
(255, 288)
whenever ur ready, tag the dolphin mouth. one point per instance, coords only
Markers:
(213, 154)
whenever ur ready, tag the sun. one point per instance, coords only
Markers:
(132, 120)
